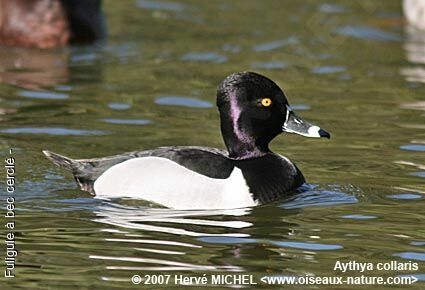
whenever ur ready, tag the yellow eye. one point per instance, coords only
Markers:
(266, 102)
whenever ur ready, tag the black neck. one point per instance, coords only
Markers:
(242, 145)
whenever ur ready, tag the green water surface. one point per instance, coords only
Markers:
(353, 67)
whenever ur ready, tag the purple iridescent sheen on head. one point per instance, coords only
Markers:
(235, 112)
(247, 125)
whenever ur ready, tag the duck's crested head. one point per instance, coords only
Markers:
(247, 85)
(254, 110)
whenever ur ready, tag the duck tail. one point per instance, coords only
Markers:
(82, 170)
(60, 160)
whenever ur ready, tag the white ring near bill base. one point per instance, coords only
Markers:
(313, 131)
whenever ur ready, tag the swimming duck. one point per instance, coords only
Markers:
(414, 11)
(51, 23)
(253, 111)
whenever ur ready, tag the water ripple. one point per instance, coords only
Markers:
(155, 242)
(366, 32)
(419, 276)
(54, 131)
(43, 95)
(413, 147)
(270, 65)
(275, 44)
(308, 246)
(127, 121)
(174, 264)
(411, 256)
(119, 106)
(405, 196)
(317, 197)
(231, 48)
(414, 105)
(328, 69)
(182, 101)
(417, 243)
(359, 217)
(332, 8)
(172, 222)
(227, 240)
(160, 5)
(204, 57)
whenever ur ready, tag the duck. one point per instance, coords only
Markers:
(253, 111)
(51, 23)
(414, 12)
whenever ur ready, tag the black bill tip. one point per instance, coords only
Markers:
(325, 134)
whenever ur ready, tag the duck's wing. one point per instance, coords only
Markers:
(210, 162)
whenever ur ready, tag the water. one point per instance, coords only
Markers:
(353, 67)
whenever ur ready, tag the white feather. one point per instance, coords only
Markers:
(165, 182)
(414, 10)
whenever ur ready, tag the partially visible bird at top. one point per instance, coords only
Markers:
(51, 23)
(414, 11)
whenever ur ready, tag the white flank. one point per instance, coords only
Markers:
(165, 182)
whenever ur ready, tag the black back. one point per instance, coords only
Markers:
(206, 161)
(210, 162)
(268, 177)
